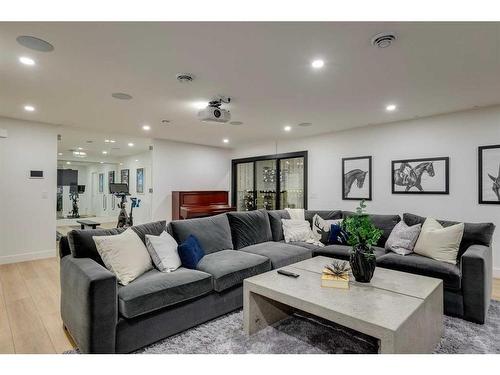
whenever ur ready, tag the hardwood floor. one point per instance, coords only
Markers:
(30, 320)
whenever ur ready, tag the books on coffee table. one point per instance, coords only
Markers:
(330, 280)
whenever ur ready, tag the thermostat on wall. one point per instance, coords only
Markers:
(36, 174)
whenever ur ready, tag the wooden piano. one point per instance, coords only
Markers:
(191, 204)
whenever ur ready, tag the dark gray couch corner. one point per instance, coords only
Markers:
(89, 306)
(477, 260)
(104, 317)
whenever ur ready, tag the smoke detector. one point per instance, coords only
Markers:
(383, 40)
(185, 77)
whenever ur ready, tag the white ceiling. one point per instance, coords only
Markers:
(93, 144)
(265, 67)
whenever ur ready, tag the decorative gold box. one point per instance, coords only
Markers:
(329, 280)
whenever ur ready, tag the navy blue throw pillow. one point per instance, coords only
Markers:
(190, 252)
(338, 236)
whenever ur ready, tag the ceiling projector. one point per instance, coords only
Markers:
(214, 112)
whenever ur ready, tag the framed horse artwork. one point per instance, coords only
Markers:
(489, 174)
(357, 178)
(421, 176)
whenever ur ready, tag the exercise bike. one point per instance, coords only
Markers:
(74, 196)
(125, 220)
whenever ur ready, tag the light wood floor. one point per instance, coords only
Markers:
(30, 321)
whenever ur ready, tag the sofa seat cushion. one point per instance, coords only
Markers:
(420, 265)
(280, 254)
(155, 290)
(342, 251)
(231, 267)
(213, 232)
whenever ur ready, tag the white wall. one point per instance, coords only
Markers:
(27, 206)
(183, 166)
(455, 135)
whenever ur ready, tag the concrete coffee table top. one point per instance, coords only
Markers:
(403, 310)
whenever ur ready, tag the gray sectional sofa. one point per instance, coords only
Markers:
(105, 317)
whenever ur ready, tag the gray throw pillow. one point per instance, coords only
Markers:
(403, 238)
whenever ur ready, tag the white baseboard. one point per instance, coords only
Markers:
(6, 259)
(496, 273)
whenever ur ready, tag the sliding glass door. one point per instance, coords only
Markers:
(270, 182)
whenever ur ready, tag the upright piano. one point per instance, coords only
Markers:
(191, 204)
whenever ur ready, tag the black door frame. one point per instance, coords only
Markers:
(277, 158)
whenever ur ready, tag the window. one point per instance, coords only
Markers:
(270, 182)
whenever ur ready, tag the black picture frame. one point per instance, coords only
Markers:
(481, 170)
(446, 189)
(346, 188)
(139, 181)
(124, 176)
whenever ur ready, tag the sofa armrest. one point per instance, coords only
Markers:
(477, 270)
(89, 304)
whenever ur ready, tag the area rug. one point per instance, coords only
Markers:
(303, 334)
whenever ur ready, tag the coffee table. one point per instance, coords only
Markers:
(403, 311)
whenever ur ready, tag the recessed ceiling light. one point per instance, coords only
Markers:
(79, 148)
(199, 105)
(305, 124)
(112, 141)
(225, 140)
(130, 144)
(68, 162)
(59, 153)
(29, 108)
(287, 128)
(318, 64)
(107, 141)
(136, 160)
(26, 61)
(34, 43)
(101, 162)
(105, 152)
(391, 107)
(121, 96)
(146, 127)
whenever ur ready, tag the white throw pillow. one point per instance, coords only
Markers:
(402, 238)
(163, 251)
(438, 242)
(296, 213)
(321, 227)
(124, 254)
(296, 230)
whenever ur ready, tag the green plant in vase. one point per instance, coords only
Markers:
(362, 235)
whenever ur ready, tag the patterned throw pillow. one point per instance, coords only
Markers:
(296, 230)
(321, 228)
(403, 238)
(338, 236)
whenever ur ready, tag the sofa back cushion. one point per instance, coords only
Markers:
(474, 233)
(82, 245)
(249, 228)
(384, 222)
(275, 217)
(213, 232)
(324, 214)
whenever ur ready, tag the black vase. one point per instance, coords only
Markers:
(362, 263)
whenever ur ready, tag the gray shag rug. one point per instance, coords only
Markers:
(304, 334)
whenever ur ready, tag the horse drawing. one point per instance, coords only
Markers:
(411, 177)
(355, 175)
(496, 183)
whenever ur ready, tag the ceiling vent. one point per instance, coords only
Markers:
(383, 40)
(185, 77)
(34, 43)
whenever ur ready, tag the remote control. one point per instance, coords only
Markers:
(287, 273)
